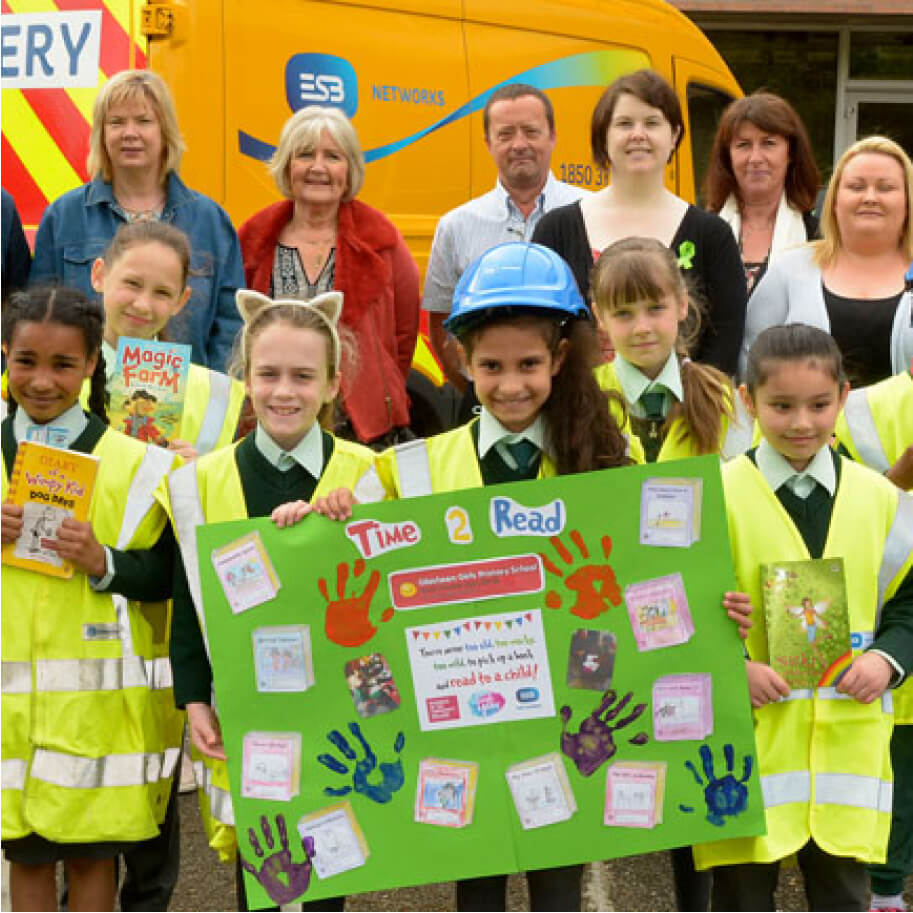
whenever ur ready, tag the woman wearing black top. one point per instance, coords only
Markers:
(636, 128)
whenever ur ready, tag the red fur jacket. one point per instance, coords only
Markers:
(379, 281)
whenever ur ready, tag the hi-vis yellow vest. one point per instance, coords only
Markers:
(445, 462)
(85, 757)
(876, 425)
(735, 437)
(823, 757)
(212, 407)
(210, 491)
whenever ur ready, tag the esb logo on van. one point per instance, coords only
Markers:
(321, 79)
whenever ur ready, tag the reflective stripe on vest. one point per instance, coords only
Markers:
(12, 773)
(832, 694)
(855, 791)
(220, 807)
(187, 510)
(850, 790)
(897, 547)
(782, 789)
(76, 772)
(102, 674)
(140, 500)
(216, 411)
(861, 426)
(413, 469)
(16, 677)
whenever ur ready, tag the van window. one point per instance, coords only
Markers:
(705, 106)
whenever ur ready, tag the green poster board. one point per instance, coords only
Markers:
(499, 613)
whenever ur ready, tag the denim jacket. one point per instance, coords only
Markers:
(78, 226)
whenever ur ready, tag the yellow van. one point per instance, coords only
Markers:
(414, 75)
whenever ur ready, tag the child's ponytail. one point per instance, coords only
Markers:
(708, 396)
(580, 417)
(98, 394)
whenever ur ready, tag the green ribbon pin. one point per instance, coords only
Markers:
(686, 252)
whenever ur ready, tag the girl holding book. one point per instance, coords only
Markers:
(142, 278)
(678, 408)
(529, 348)
(290, 356)
(85, 769)
(823, 753)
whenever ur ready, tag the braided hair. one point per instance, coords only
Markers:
(70, 308)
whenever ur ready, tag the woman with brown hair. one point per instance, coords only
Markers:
(851, 282)
(635, 129)
(762, 179)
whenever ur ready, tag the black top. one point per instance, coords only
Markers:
(143, 574)
(812, 517)
(862, 330)
(716, 274)
(759, 269)
(265, 488)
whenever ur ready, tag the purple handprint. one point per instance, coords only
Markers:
(592, 745)
(281, 878)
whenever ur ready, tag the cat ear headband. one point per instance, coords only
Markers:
(327, 307)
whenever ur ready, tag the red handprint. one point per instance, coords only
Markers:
(347, 622)
(594, 584)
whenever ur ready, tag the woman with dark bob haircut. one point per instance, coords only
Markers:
(635, 131)
(762, 179)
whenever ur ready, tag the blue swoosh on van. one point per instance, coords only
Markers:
(592, 68)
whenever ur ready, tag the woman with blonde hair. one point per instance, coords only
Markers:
(135, 151)
(321, 238)
(851, 282)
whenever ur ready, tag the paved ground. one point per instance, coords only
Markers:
(639, 883)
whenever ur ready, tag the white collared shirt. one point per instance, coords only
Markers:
(58, 432)
(634, 383)
(777, 470)
(465, 233)
(308, 453)
(492, 434)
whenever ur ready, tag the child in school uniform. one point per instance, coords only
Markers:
(823, 754)
(678, 408)
(142, 280)
(529, 348)
(86, 771)
(876, 428)
(290, 356)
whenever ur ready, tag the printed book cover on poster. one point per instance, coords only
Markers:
(808, 625)
(147, 389)
(51, 485)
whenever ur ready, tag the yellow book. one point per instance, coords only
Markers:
(51, 484)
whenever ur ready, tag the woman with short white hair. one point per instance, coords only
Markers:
(321, 238)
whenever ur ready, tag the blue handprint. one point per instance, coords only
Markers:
(392, 777)
(726, 796)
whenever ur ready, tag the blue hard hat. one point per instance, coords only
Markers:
(518, 275)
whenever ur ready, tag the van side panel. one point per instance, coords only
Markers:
(399, 77)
